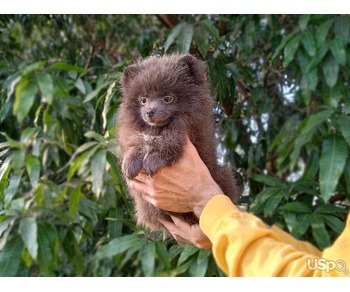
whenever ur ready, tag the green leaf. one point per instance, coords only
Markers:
(331, 209)
(330, 71)
(29, 134)
(10, 257)
(74, 199)
(344, 123)
(347, 175)
(290, 49)
(346, 108)
(26, 91)
(303, 223)
(212, 30)
(263, 196)
(107, 102)
(5, 224)
(28, 230)
(201, 38)
(268, 180)
(283, 44)
(311, 78)
(297, 207)
(32, 67)
(81, 148)
(118, 246)
(319, 232)
(342, 28)
(188, 251)
(334, 223)
(200, 265)
(79, 83)
(179, 269)
(322, 32)
(303, 20)
(98, 137)
(163, 254)
(95, 92)
(89, 209)
(332, 96)
(309, 43)
(11, 190)
(311, 123)
(172, 36)
(48, 249)
(6, 234)
(10, 85)
(72, 74)
(72, 249)
(98, 165)
(18, 158)
(11, 142)
(39, 195)
(78, 163)
(332, 162)
(307, 129)
(46, 87)
(33, 169)
(147, 254)
(66, 67)
(4, 145)
(322, 52)
(115, 222)
(311, 168)
(273, 202)
(303, 60)
(185, 38)
(5, 168)
(338, 50)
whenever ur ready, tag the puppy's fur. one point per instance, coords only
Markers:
(163, 100)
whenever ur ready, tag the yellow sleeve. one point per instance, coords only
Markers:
(244, 246)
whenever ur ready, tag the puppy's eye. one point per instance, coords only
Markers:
(143, 100)
(168, 99)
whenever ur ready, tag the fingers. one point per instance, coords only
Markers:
(191, 233)
(143, 177)
(172, 228)
(137, 185)
(140, 183)
(180, 222)
(179, 235)
(143, 189)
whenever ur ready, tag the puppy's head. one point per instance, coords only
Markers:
(158, 89)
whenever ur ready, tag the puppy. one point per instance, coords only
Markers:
(163, 100)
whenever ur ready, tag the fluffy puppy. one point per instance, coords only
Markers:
(163, 100)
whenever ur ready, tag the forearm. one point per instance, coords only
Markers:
(244, 246)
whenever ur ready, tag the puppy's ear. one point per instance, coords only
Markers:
(129, 72)
(194, 67)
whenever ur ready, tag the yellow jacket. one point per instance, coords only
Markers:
(244, 246)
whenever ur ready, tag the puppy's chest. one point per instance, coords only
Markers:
(151, 142)
(157, 143)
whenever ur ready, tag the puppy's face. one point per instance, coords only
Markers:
(157, 91)
(158, 111)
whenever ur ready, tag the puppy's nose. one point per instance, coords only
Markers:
(150, 113)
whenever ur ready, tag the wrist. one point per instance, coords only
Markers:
(204, 197)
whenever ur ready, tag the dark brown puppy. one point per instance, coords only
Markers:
(165, 99)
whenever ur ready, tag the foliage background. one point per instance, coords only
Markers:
(282, 87)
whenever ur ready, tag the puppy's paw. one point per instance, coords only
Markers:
(131, 166)
(151, 164)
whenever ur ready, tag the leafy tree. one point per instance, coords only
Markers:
(281, 83)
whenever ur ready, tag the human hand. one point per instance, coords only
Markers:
(185, 186)
(183, 232)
